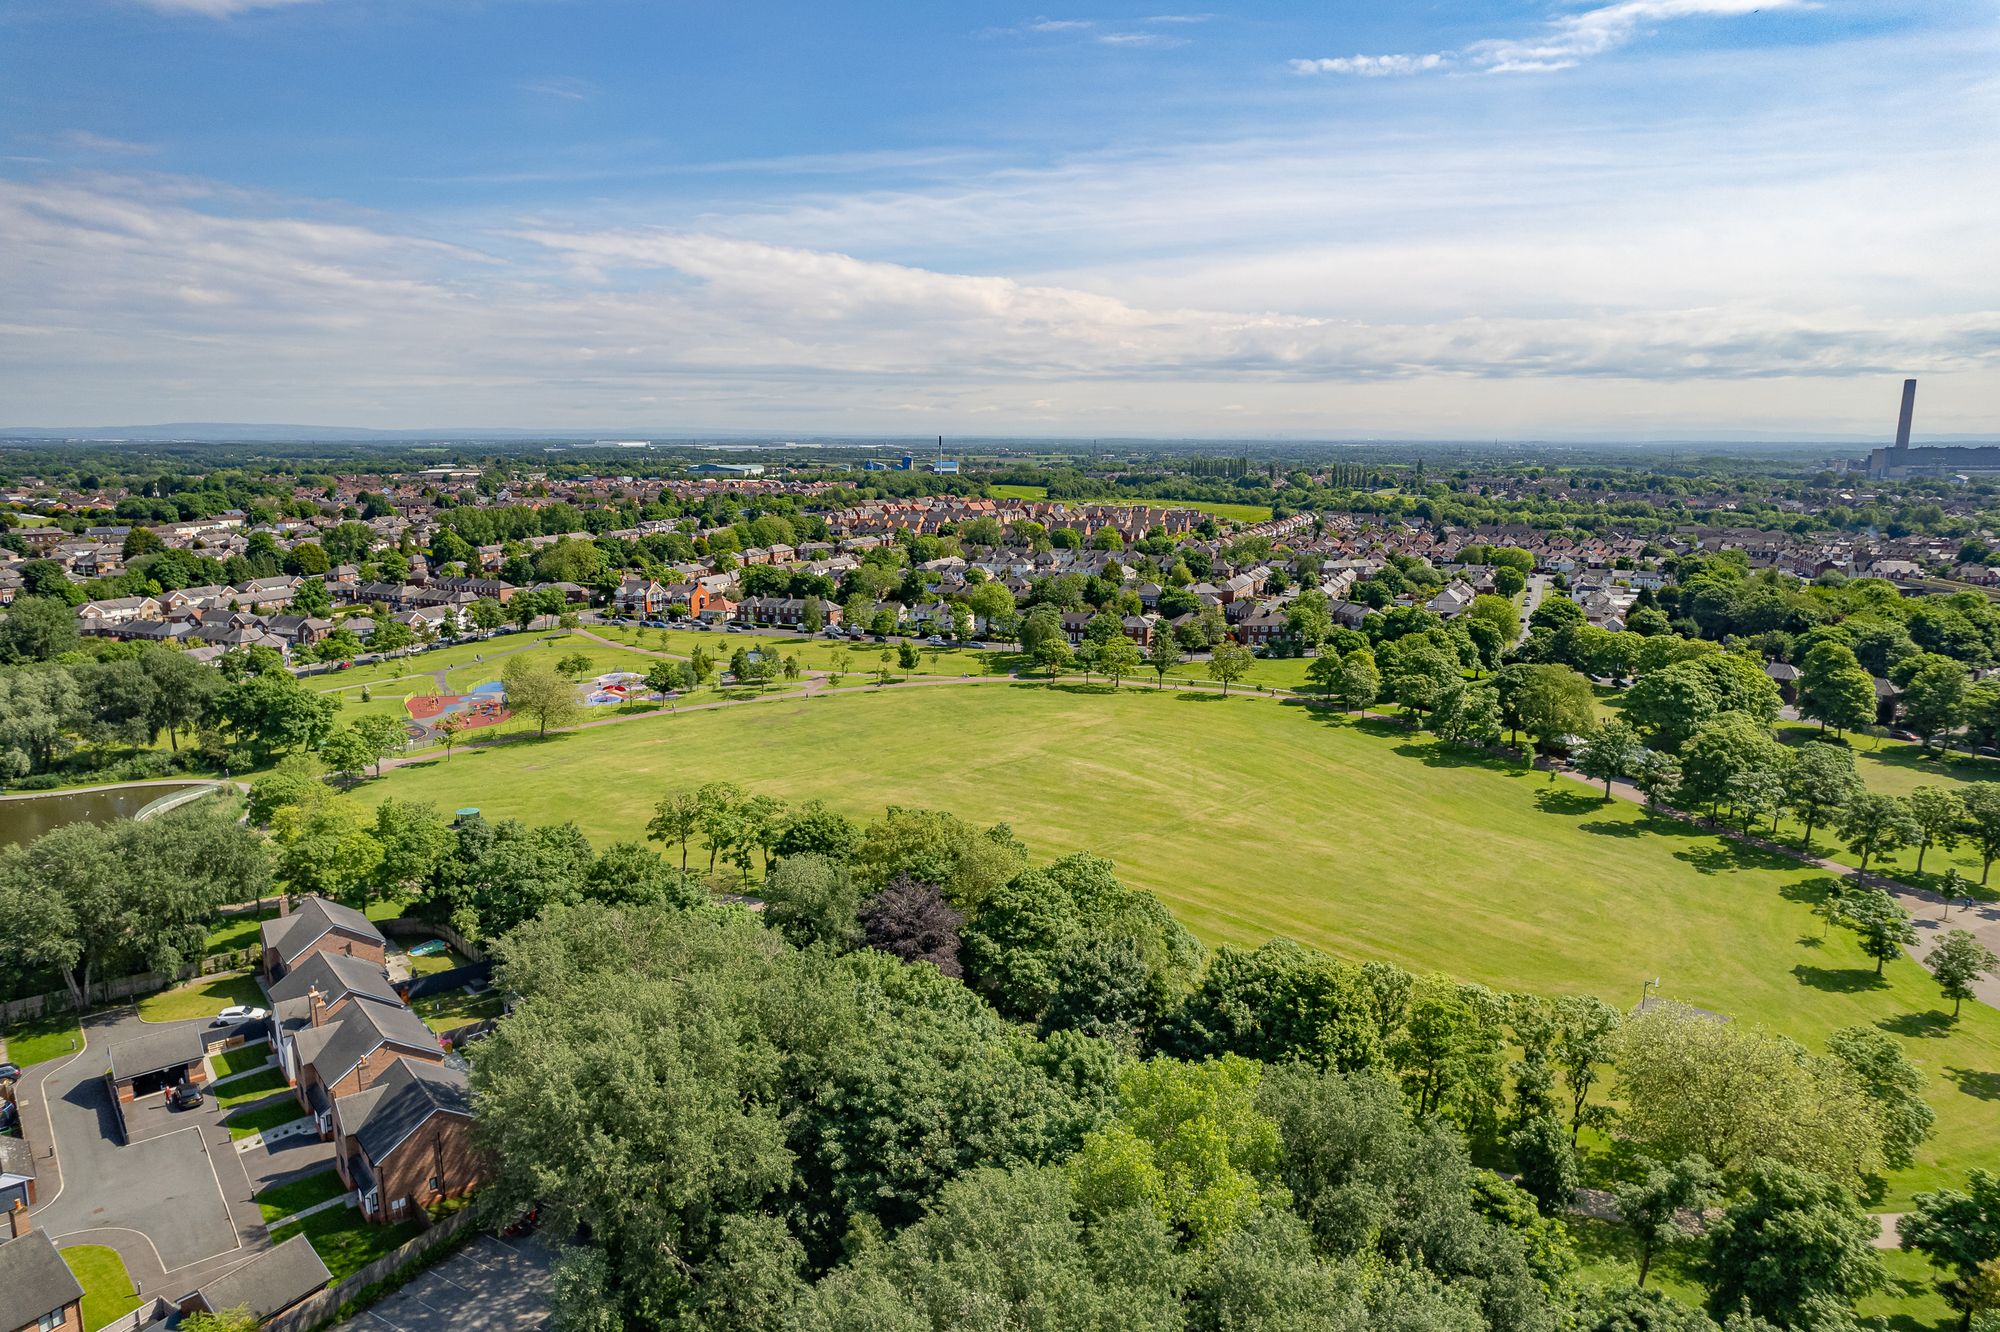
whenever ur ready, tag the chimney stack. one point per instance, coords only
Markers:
(318, 1002)
(19, 1219)
(1909, 410)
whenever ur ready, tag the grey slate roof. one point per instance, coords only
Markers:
(154, 1051)
(358, 1030)
(272, 1281)
(335, 975)
(315, 918)
(384, 1116)
(34, 1280)
(17, 1158)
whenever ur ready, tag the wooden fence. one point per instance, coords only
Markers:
(110, 993)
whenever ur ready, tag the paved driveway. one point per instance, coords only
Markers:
(491, 1285)
(175, 1203)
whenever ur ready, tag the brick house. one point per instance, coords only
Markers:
(786, 611)
(318, 926)
(340, 1056)
(328, 982)
(643, 597)
(406, 1142)
(38, 1292)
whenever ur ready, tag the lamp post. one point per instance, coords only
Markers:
(1646, 988)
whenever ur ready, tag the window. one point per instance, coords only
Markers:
(50, 1321)
(399, 1206)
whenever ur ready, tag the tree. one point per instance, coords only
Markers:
(1449, 1050)
(721, 818)
(37, 628)
(1895, 1084)
(1820, 783)
(415, 841)
(1959, 1231)
(1117, 659)
(183, 691)
(1933, 702)
(1883, 926)
(907, 656)
(347, 752)
(1548, 702)
(1958, 961)
(912, 921)
(1359, 682)
(810, 899)
(1937, 815)
(1610, 752)
(1876, 825)
(1546, 1163)
(664, 677)
(537, 691)
(1585, 1034)
(1228, 662)
(448, 728)
(677, 818)
(1982, 823)
(814, 828)
(1052, 654)
(1164, 654)
(1653, 1204)
(382, 734)
(1796, 1237)
(1722, 751)
(700, 665)
(1670, 705)
(273, 713)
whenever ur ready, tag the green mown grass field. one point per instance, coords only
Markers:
(1253, 818)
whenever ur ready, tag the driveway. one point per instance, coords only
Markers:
(175, 1202)
(491, 1285)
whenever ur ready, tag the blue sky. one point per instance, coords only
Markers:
(1641, 217)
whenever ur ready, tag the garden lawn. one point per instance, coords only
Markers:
(432, 963)
(43, 1039)
(814, 654)
(295, 1195)
(1253, 818)
(237, 932)
(205, 997)
(252, 1088)
(344, 1241)
(242, 1059)
(107, 1287)
(249, 1123)
(448, 1012)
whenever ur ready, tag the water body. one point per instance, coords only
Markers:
(24, 818)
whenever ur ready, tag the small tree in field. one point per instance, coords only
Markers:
(1609, 753)
(1163, 656)
(447, 730)
(1229, 662)
(1881, 922)
(1957, 962)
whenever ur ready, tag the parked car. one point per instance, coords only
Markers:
(187, 1096)
(9, 1072)
(236, 1013)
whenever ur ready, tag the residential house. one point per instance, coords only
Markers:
(350, 1053)
(406, 1142)
(318, 926)
(38, 1292)
(643, 597)
(267, 1285)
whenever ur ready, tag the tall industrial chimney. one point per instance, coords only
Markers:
(1909, 409)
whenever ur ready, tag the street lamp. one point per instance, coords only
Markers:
(1647, 988)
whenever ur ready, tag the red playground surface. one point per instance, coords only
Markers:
(484, 706)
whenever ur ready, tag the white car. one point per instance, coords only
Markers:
(236, 1013)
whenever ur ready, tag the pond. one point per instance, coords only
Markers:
(26, 817)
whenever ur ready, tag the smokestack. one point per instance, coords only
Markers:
(1909, 409)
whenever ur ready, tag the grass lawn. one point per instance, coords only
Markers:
(253, 1088)
(43, 1039)
(448, 1012)
(202, 998)
(1252, 818)
(107, 1286)
(344, 1241)
(814, 654)
(249, 1123)
(1018, 492)
(1611, 1258)
(242, 1059)
(237, 932)
(431, 964)
(295, 1195)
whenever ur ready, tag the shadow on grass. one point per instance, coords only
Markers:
(1440, 755)
(1914, 1025)
(1839, 980)
(1567, 800)
(1978, 1085)
(1724, 855)
(1612, 828)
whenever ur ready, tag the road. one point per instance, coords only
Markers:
(1538, 586)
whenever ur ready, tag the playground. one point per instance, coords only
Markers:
(486, 705)
(615, 687)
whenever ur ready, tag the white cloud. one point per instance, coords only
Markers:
(217, 8)
(561, 87)
(1568, 40)
(104, 144)
(1374, 66)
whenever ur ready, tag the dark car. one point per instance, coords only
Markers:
(187, 1096)
(9, 1072)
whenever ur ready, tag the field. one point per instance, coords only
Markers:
(1243, 513)
(465, 666)
(814, 654)
(1253, 818)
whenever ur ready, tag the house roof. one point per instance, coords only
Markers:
(271, 1282)
(316, 918)
(383, 1117)
(34, 1280)
(358, 1031)
(17, 1159)
(154, 1051)
(335, 975)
